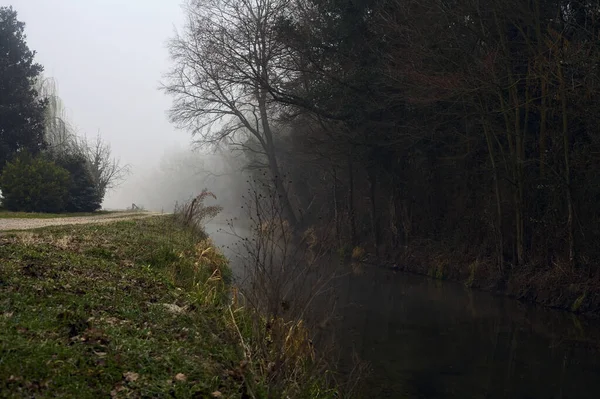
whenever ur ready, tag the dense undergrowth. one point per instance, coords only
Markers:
(139, 308)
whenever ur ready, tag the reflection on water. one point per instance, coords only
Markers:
(430, 339)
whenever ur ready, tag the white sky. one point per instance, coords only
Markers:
(108, 57)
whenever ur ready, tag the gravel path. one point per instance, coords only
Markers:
(27, 224)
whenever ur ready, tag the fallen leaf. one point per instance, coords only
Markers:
(217, 394)
(180, 377)
(130, 376)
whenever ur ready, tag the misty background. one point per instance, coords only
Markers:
(108, 67)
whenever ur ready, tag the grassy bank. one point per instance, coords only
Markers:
(138, 308)
(556, 286)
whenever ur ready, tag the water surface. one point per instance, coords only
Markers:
(430, 339)
(425, 338)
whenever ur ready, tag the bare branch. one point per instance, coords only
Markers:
(108, 172)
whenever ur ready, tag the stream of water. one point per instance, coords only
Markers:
(430, 339)
(425, 338)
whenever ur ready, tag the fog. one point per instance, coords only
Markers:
(108, 58)
(182, 173)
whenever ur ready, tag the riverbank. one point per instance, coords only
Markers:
(555, 286)
(134, 308)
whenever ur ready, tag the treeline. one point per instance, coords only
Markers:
(44, 165)
(458, 124)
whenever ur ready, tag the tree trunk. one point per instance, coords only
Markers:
(515, 145)
(336, 217)
(282, 192)
(280, 188)
(499, 233)
(565, 132)
(511, 137)
(374, 212)
(519, 151)
(544, 89)
(351, 212)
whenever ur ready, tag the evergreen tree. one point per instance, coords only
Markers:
(84, 194)
(34, 184)
(21, 109)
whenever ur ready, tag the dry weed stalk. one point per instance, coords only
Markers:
(194, 212)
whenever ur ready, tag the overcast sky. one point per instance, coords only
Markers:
(108, 57)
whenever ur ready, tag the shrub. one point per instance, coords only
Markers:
(34, 184)
(84, 195)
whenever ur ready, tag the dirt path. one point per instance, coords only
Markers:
(27, 224)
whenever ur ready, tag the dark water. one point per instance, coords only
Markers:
(429, 339)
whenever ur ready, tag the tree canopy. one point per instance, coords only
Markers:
(32, 120)
(21, 109)
(401, 121)
(34, 184)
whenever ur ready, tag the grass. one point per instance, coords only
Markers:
(138, 308)
(4, 214)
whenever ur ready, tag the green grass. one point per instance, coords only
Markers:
(4, 214)
(131, 309)
(83, 315)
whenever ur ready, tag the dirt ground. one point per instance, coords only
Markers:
(28, 224)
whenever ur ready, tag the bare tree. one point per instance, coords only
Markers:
(61, 138)
(108, 172)
(225, 62)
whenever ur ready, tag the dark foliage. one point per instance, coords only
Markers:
(34, 184)
(21, 111)
(84, 194)
(447, 122)
(458, 128)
